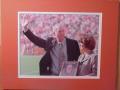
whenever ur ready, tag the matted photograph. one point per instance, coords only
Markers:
(59, 44)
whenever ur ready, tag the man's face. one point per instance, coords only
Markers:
(61, 34)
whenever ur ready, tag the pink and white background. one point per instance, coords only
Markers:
(44, 24)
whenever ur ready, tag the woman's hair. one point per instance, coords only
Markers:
(88, 42)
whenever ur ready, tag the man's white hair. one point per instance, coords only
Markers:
(60, 27)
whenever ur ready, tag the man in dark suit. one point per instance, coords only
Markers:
(57, 51)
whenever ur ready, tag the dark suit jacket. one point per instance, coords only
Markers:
(45, 63)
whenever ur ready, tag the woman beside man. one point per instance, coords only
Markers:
(88, 59)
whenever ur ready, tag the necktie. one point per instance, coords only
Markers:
(61, 55)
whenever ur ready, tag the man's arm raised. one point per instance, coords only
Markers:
(36, 40)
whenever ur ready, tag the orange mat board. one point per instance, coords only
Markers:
(118, 80)
(108, 64)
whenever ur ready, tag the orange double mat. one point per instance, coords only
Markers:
(108, 57)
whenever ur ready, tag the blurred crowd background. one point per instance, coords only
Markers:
(44, 25)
